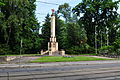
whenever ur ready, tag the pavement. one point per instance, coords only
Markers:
(58, 64)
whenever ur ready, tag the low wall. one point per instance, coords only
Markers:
(8, 58)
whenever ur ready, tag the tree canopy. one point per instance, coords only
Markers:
(18, 22)
(91, 26)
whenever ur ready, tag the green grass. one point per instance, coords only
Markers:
(66, 59)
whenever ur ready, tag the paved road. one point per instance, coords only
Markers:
(69, 72)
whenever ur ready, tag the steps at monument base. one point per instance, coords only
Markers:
(56, 53)
(46, 54)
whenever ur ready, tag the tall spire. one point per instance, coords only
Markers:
(52, 24)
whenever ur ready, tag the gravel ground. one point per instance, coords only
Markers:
(25, 59)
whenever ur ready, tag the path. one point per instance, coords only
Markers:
(24, 59)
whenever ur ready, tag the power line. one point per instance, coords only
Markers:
(47, 3)
(50, 3)
(41, 13)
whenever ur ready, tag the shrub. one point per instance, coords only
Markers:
(83, 49)
(106, 50)
(117, 43)
(73, 50)
(118, 51)
(4, 49)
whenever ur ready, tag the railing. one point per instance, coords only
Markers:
(44, 52)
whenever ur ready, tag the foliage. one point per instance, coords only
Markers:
(18, 22)
(61, 34)
(2, 4)
(76, 34)
(99, 14)
(82, 49)
(106, 50)
(117, 45)
(46, 32)
(65, 10)
(4, 50)
(98, 24)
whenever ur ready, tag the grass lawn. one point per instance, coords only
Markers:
(67, 59)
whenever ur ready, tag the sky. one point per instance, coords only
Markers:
(43, 9)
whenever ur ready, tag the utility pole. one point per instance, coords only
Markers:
(21, 46)
(20, 51)
(95, 35)
(96, 39)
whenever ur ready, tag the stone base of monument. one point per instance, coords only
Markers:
(53, 49)
(55, 53)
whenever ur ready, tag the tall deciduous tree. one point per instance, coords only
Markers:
(65, 10)
(99, 17)
(19, 24)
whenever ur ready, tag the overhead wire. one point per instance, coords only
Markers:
(48, 3)
(41, 13)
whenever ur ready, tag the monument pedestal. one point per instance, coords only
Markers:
(52, 46)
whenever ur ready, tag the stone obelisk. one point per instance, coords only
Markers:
(52, 45)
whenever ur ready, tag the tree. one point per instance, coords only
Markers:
(46, 32)
(2, 4)
(76, 39)
(62, 36)
(76, 34)
(99, 17)
(19, 24)
(65, 10)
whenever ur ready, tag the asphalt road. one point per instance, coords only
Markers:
(70, 72)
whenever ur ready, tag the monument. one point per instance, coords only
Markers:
(53, 44)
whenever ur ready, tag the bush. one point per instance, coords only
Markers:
(106, 50)
(4, 49)
(118, 51)
(73, 50)
(83, 49)
(117, 43)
